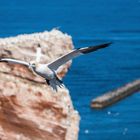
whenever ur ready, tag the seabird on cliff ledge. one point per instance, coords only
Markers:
(48, 71)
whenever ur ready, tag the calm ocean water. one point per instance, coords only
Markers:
(90, 22)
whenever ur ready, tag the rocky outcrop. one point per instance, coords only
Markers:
(29, 108)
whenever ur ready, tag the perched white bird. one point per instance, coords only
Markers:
(48, 71)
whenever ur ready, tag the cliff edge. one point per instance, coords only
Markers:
(29, 108)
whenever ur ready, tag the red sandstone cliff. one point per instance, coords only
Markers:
(30, 109)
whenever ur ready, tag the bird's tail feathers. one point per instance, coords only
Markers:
(55, 83)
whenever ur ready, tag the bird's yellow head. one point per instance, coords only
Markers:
(32, 65)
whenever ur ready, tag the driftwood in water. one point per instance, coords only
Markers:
(115, 95)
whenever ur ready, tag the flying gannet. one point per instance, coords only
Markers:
(48, 71)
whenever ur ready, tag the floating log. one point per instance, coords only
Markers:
(114, 96)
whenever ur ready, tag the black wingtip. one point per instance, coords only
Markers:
(94, 48)
(1, 60)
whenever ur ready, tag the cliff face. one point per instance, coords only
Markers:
(29, 108)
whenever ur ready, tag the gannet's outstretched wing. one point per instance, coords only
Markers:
(63, 59)
(14, 61)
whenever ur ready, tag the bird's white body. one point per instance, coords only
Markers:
(44, 71)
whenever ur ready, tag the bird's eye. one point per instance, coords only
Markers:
(33, 64)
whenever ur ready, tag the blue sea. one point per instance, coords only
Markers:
(90, 22)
